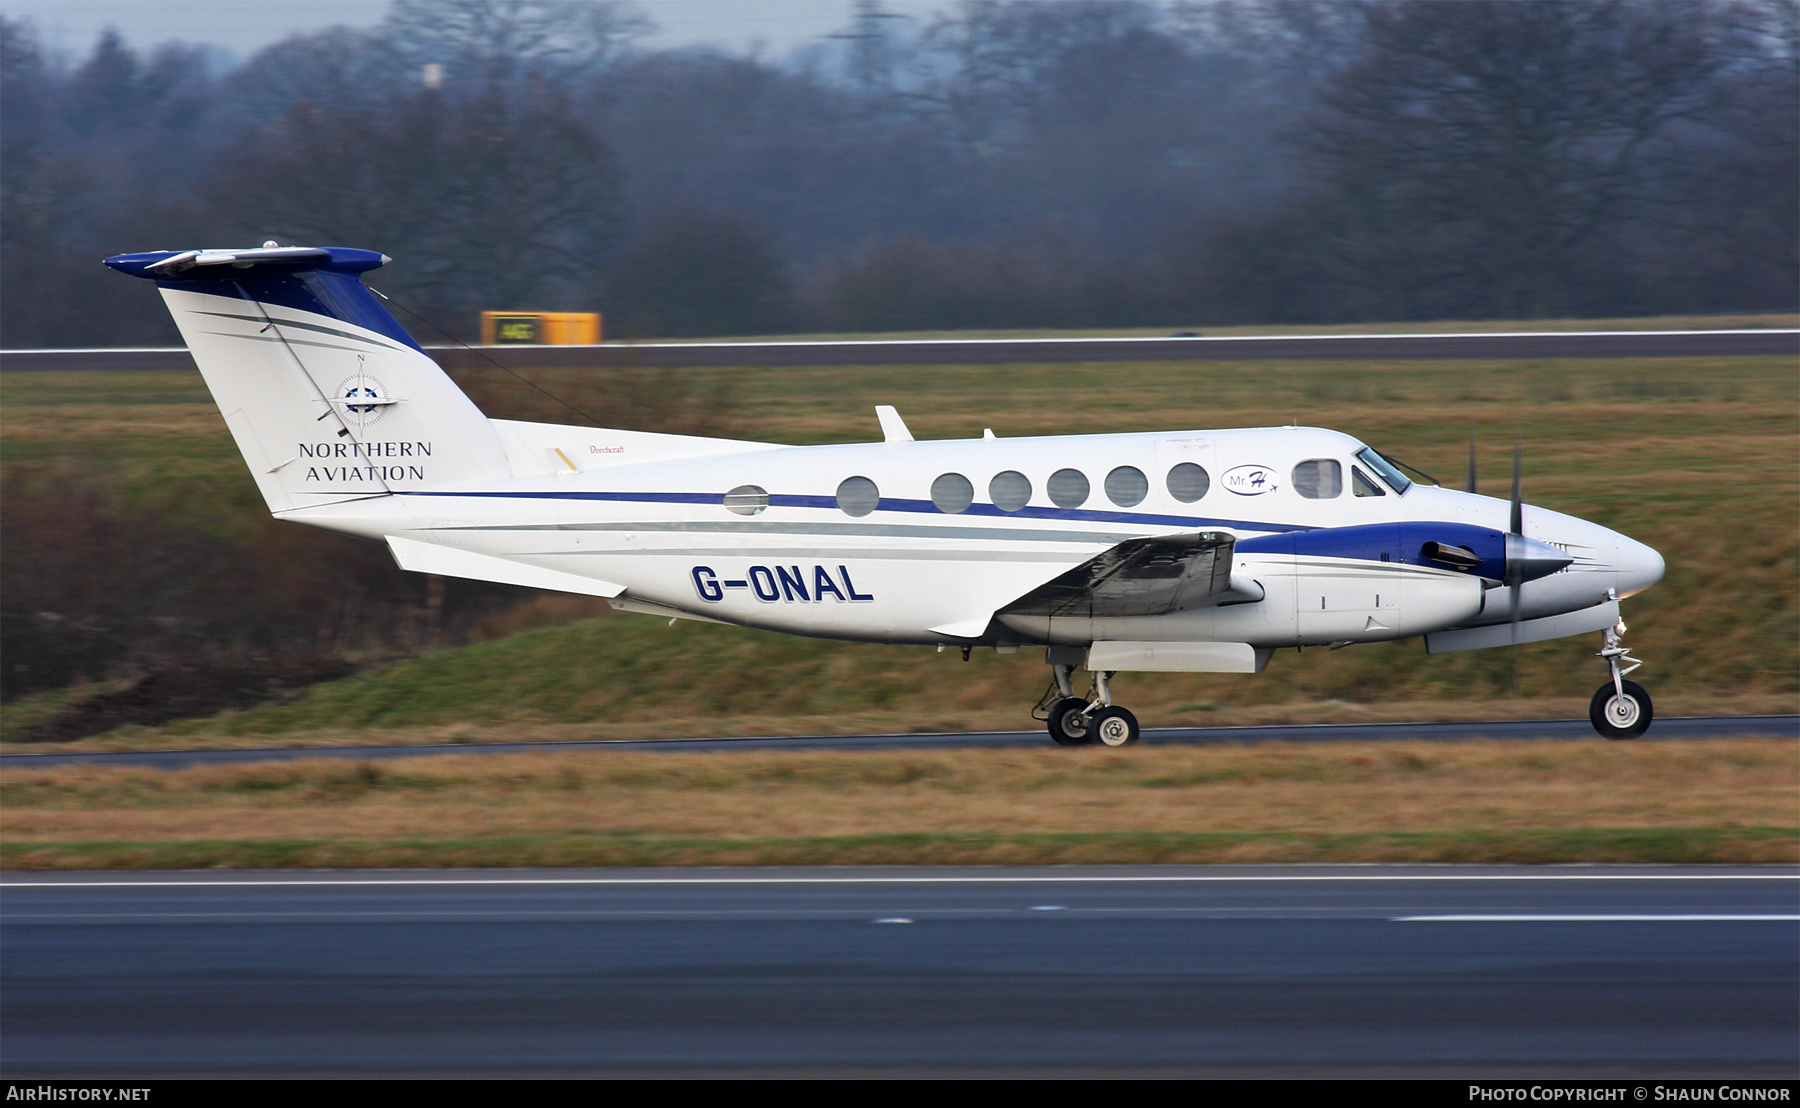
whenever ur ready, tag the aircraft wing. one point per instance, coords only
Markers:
(1138, 577)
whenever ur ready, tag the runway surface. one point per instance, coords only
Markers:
(1698, 727)
(1484, 345)
(1447, 971)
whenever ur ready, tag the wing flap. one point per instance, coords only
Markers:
(1138, 577)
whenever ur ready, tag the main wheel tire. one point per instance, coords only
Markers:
(1069, 723)
(1113, 727)
(1619, 717)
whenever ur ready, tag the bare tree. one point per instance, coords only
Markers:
(1490, 143)
(490, 40)
(490, 200)
(697, 272)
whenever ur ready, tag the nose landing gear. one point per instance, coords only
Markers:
(1620, 709)
(1076, 720)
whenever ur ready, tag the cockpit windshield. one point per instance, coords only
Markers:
(1384, 469)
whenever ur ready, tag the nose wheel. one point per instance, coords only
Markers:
(1622, 713)
(1620, 709)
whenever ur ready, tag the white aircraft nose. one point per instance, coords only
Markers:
(1639, 566)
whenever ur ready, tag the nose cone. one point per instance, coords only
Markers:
(1529, 559)
(1639, 566)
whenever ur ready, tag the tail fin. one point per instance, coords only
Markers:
(327, 396)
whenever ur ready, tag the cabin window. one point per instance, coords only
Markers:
(1319, 479)
(858, 496)
(1009, 490)
(1188, 482)
(1068, 488)
(747, 500)
(1127, 486)
(952, 493)
(1361, 484)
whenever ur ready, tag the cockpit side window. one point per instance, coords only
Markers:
(1362, 485)
(1384, 469)
(1319, 478)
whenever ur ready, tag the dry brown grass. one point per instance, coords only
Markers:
(53, 425)
(1404, 788)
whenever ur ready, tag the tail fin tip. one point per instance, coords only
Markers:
(229, 265)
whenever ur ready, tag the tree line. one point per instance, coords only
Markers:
(1007, 163)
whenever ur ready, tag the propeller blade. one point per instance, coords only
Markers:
(1470, 484)
(1513, 652)
(1518, 503)
(1518, 528)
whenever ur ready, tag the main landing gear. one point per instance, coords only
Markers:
(1620, 709)
(1077, 720)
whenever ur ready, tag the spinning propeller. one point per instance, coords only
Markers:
(1516, 529)
(1526, 559)
(1470, 486)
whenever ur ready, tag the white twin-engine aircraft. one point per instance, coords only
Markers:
(1189, 551)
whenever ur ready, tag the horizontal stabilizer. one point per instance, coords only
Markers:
(1597, 618)
(447, 561)
(238, 259)
(648, 608)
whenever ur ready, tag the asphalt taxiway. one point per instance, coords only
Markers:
(1464, 971)
(1694, 727)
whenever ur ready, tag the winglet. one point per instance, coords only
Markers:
(893, 428)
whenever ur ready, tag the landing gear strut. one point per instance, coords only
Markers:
(1067, 713)
(1078, 720)
(1620, 709)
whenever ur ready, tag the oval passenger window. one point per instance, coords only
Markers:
(952, 493)
(1188, 482)
(1127, 486)
(1319, 479)
(1068, 488)
(858, 496)
(1010, 490)
(747, 500)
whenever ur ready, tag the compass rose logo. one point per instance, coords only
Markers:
(361, 400)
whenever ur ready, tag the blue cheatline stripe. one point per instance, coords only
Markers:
(322, 292)
(890, 504)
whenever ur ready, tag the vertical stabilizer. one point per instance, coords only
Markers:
(326, 395)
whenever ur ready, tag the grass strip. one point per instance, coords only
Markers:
(1678, 845)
